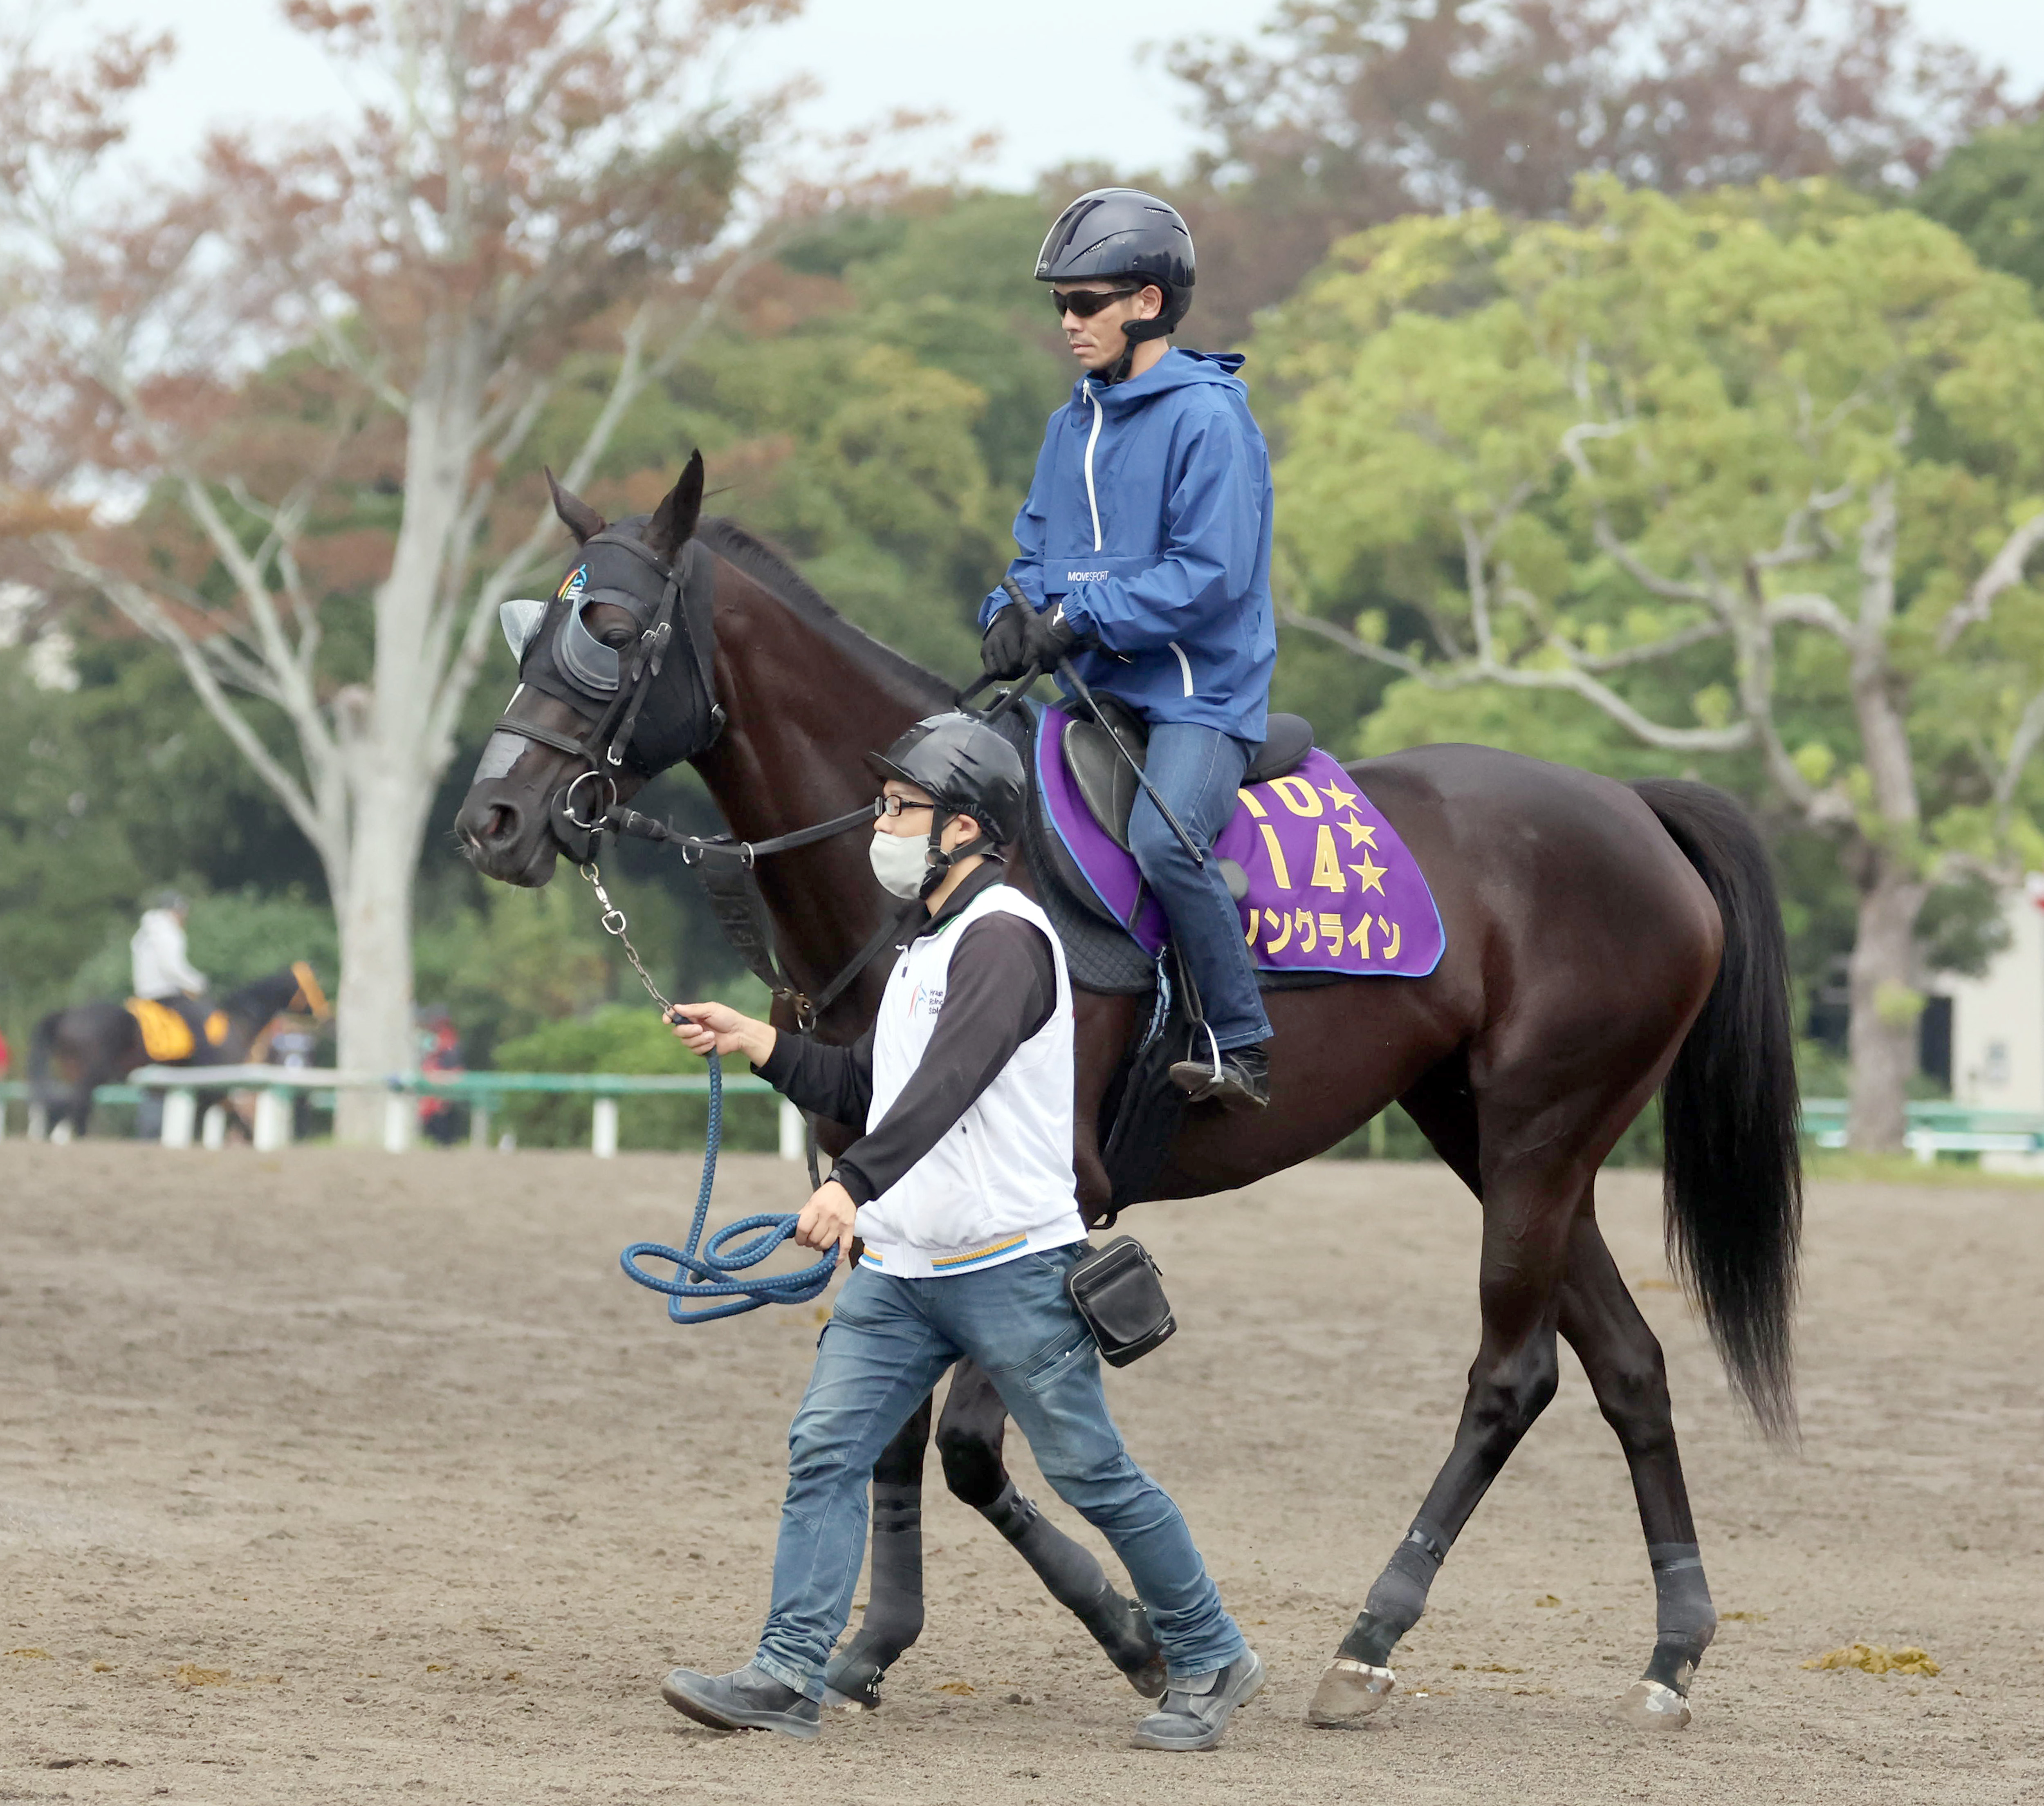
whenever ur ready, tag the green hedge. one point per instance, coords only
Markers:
(624, 1037)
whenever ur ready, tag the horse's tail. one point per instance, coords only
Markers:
(1730, 1112)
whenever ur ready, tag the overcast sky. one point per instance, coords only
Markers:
(1013, 66)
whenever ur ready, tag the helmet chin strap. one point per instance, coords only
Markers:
(940, 862)
(1134, 332)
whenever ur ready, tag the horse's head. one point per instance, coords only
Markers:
(612, 689)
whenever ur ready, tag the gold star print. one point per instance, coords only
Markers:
(1371, 873)
(1340, 798)
(1360, 833)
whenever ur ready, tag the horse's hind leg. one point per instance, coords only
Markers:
(1527, 1210)
(969, 1436)
(894, 1592)
(1623, 1359)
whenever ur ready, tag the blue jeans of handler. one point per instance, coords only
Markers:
(1197, 771)
(889, 1340)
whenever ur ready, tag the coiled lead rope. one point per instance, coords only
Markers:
(709, 1266)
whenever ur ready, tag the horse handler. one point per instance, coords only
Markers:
(962, 1191)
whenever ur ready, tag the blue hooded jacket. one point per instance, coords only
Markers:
(1149, 518)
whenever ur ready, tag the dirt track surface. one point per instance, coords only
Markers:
(325, 1476)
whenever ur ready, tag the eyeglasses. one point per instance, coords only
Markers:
(1087, 302)
(893, 808)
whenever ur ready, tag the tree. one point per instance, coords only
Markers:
(1349, 113)
(1741, 474)
(1991, 193)
(321, 364)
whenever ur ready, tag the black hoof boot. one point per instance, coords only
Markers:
(851, 1683)
(1122, 1627)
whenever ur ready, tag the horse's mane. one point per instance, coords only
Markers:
(253, 1001)
(776, 573)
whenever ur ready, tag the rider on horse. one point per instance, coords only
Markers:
(1145, 559)
(962, 1190)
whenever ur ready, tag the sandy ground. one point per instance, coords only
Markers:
(325, 1476)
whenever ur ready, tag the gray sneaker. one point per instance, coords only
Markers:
(1195, 1712)
(744, 1700)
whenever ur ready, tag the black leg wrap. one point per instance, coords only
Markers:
(1686, 1618)
(1079, 1584)
(1397, 1598)
(894, 1598)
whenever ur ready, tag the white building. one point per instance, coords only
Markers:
(1998, 1019)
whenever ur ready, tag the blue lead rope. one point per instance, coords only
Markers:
(709, 1268)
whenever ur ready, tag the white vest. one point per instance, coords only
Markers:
(1000, 1184)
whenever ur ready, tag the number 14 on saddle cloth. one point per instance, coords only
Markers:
(1331, 888)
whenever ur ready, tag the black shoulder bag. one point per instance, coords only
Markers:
(1119, 1291)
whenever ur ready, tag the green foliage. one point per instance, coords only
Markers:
(1991, 193)
(884, 436)
(1606, 490)
(625, 1037)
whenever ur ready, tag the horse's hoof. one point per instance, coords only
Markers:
(1653, 1706)
(1152, 1677)
(835, 1701)
(1349, 1692)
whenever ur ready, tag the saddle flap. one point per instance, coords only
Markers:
(1105, 784)
(166, 1037)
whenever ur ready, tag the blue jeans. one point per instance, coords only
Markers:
(1197, 771)
(889, 1340)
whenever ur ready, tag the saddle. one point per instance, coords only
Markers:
(171, 1030)
(1109, 786)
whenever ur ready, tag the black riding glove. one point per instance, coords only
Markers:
(1050, 638)
(1003, 650)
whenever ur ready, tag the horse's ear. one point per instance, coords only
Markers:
(576, 515)
(674, 522)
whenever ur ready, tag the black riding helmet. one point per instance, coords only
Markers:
(1123, 231)
(967, 767)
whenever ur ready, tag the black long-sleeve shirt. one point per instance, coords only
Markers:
(1002, 987)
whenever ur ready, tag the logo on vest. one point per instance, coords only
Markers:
(925, 1002)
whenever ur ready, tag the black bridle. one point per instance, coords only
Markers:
(686, 587)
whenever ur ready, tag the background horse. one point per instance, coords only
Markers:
(74, 1050)
(1604, 941)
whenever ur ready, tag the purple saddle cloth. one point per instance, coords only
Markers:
(1331, 888)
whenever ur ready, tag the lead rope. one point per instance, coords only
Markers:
(709, 1266)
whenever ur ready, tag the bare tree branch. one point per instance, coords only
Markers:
(2004, 570)
(147, 613)
(1573, 681)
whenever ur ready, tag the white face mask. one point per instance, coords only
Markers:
(901, 862)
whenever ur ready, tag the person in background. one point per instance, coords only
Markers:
(160, 969)
(161, 966)
(440, 1051)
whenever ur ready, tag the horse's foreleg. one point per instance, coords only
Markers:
(1525, 1241)
(894, 1593)
(969, 1436)
(1623, 1359)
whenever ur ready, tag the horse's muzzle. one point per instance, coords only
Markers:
(505, 837)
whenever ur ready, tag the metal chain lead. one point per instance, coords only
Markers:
(614, 923)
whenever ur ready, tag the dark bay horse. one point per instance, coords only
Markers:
(75, 1051)
(1604, 941)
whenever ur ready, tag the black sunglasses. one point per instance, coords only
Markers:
(1087, 302)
